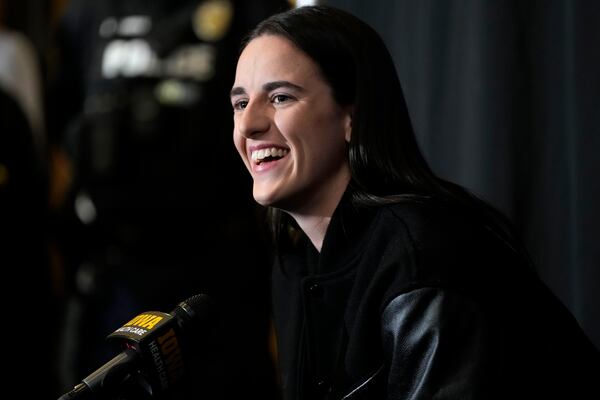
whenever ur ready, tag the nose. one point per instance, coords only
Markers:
(253, 121)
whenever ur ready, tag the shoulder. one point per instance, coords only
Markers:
(433, 244)
(431, 224)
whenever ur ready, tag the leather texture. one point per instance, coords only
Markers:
(418, 301)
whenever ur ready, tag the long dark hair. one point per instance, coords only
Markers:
(385, 161)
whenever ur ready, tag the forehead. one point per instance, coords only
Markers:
(273, 57)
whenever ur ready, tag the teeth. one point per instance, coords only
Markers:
(261, 154)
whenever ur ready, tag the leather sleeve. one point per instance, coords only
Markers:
(436, 343)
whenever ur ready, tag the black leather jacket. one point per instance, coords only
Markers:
(417, 301)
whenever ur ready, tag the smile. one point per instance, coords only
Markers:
(268, 154)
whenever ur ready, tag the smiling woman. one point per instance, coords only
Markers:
(290, 132)
(389, 282)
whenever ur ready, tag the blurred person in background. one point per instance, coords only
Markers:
(156, 205)
(20, 76)
(27, 292)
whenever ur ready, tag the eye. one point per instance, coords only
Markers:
(239, 105)
(280, 98)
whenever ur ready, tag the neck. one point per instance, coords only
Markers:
(315, 227)
(314, 220)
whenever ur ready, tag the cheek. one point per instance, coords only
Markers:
(240, 145)
(315, 136)
(329, 135)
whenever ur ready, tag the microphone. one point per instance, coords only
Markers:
(153, 352)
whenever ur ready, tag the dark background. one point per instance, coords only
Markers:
(505, 99)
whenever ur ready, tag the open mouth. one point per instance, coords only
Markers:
(267, 155)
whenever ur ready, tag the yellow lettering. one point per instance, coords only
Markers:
(170, 333)
(147, 321)
(152, 321)
(143, 320)
(169, 347)
(134, 320)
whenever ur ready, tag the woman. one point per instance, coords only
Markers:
(389, 282)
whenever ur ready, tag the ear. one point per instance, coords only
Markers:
(348, 124)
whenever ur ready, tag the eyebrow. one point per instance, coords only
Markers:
(237, 91)
(267, 87)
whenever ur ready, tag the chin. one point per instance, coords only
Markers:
(276, 197)
(262, 202)
(263, 199)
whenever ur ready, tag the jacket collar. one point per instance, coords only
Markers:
(345, 237)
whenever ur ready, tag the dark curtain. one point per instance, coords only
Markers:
(505, 100)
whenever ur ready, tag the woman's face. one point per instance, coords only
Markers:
(288, 129)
